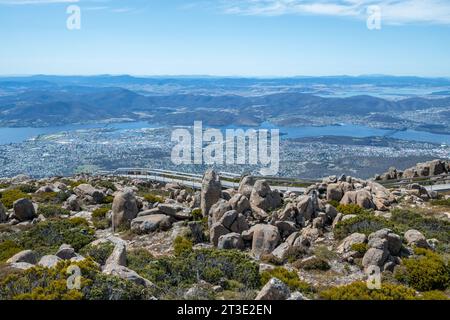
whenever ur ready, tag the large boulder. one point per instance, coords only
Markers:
(118, 256)
(240, 203)
(66, 252)
(307, 206)
(26, 256)
(218, 210)
(415, 238)
(231, 241)
(150, 223)
(334, 192)
(216, 231)
(211, 191)
(127, 274)
(24, 210)
(124, 208)
(265, 239)
(89, 193)
(246, 186)
(348, 242)
(3, 215)
(394, 241)
(234, 221)
(274, 290)
(49, 261)
(263, 199)
(362, 198)
(72, 203)
(375, 256)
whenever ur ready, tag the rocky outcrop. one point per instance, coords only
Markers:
(150, 223)
(27, 256)
(264, 237)
(124, 208)
(274, 290)
(211, 191)
(3, 215)
(263, 199)
(89, 194)
(49, 261)
(24, 210)
(415, 238)
(426, 169)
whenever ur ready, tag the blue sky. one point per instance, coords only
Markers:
(215, 37)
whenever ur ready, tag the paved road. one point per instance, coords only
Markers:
(198, 184)
(439, 187)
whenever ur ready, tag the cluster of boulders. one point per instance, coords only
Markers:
(28, 258)
(426, 169)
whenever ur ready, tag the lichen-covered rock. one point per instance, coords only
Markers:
(150, 223)
(27, 256)
(416, 238)
(24, 210)
(230, 241)
(211, 191)
(124, 208)
(274, 290)
(265, 239)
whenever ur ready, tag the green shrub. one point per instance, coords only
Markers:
(99, 218)
(290, 278)
(197, 214)
(73, 184)
(434, 295)
(100, 213)
(45, 237)
(27, 188)
(334, 203)
(8, 197)
(425, 271)
(51, 211)
(153, 199)
(8, 248)
(108, 200)
(40, 283)
(99, 253)
(360, 291)
(364, 223)
(350, 209)
(441, 202)
(106, 184)
(171, 274)
(361, 248)
(314, 263)
(182, 245)
(431, 227)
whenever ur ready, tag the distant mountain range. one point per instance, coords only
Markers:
(51, 100)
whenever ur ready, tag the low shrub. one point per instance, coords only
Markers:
(334, 203)
(360, 291)
(425, 271)
(51, 211)
(290, 278)
(8, 248)
(197, 214)
(8, 197)
(99, 253)
(106, 184)
(172, 274)
(99, 218)
(434, 295)
(182, 245)
(431, 227)
(441, 202)
(51, 197)
(153, 199)
(108, 200)
(364, 223)
(361, 248)
(314, 263)
(40, 283)
(27, 188)
(350, 209)
(45, 237)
